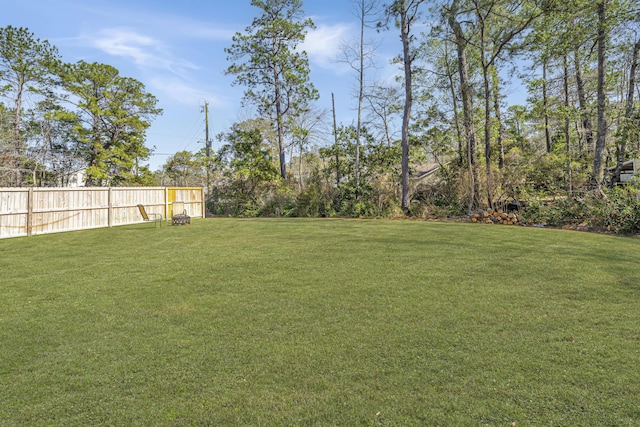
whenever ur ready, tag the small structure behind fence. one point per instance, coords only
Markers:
(30, 211)
(627, 171)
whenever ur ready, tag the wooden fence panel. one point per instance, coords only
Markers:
(61, 209)
(14, 205)
(191, 198)
(28, 211)
(124, 203)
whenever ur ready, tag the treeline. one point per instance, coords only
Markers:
(444, 140)
(80, 116)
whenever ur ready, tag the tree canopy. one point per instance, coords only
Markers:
(82, 115)
(266, 61)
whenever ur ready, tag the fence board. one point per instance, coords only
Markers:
(28, 211)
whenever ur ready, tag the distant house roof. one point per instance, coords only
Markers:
(630, 165)
(627, 171)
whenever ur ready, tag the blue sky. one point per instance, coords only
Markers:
(176, 49)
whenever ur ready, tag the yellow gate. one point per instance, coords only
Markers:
(193, 198)
(171, 197)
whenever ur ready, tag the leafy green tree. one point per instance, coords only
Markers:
(439, 85)
(455, 16)
(49, 131)
(498, 23)
(561, 42)
(184, 169)
(26, 64)
(626, 131)
(406, 14)
(379, 173)
(516, 122)
(249, 170)
(111, 114)
(266, 60)
(612, 15)
(6, 149)
(248, 153)
(601, 39)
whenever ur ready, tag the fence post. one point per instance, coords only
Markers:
(30, 212)
(166, 202)
(109, 210)
(204, 203)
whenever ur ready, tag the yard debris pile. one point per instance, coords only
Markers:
(491, 216)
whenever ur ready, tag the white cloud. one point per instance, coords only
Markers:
(143, 50)
(324, 43)
(125, 43)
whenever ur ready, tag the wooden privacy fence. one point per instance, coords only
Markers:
(30, 211)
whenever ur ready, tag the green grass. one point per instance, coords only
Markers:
(320, 322)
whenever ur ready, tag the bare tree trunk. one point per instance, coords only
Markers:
(597, 174)
(496, 107)
(582, 102)
(17, 143)
(567, 122)
(545, 104)
(335, 139)
(96, 136)
(454, 98)
(487, 131)
(360, 95)
(406, 115)
(487, 107)
(621, 151)
(279, 124)
(301, 186)
(467, 102)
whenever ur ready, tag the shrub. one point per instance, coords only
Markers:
(616, 210)
(619, 211)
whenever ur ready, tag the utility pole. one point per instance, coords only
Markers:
(335, 137)
(208, 148)
(206, 135)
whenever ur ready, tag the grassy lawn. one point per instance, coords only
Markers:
(320, 322)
